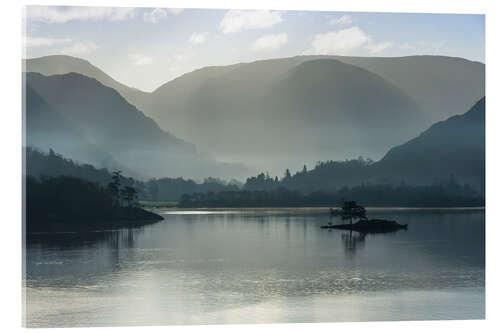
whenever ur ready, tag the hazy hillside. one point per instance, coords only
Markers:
(52, 164)
(283, 112)
(442, 86)
(295, 114)
(63, 64)
(46, 129)
(455, 147)
(108, 121)
(103, 114)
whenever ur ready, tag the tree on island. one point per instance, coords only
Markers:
(352, 210)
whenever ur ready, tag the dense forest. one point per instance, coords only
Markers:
(67, 203)
(443, 195)
(53, 164)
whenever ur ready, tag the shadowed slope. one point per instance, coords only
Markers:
(455, 147)
(63, 64)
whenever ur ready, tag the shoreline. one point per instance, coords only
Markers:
(318, 208)
(138, 217)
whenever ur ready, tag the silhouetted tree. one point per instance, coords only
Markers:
(352, 210)
(114, 188)
(129, 195)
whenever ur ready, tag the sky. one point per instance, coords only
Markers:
(147, 47)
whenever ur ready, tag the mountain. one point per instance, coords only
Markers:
(246, 102)
(63, 64)
(254, 114)
(47, 129)
(451, 148)
(450, 152)
(284, 114)
(106, 120)
(103, 114)
(442, 86)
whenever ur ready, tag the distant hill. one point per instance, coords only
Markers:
(106, 120)
(454, 147)
(284, 112)
(102, 114)
(441, 86)
(449, 152)
(63, 64)
(418, 90)
(46, 128)
(289, 115)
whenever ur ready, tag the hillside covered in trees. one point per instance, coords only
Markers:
(67, 203)
(52, 164)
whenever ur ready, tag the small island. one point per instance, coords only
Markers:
(61, 204)
(351, 210)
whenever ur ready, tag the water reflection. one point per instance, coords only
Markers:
(68, 240)
(353, 242)
(215, 268)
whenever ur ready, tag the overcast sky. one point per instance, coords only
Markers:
(146, 47)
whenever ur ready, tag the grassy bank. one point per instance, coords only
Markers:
(158, 204)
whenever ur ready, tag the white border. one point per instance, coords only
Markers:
(10, 251)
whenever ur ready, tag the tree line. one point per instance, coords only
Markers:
(319, 186)
(52, 164)
(367, 195)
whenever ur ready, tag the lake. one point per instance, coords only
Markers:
(259, 266)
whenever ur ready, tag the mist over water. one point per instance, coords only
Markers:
(259, 266)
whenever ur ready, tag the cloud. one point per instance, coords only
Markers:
(175, 11)
(79, 48)
(378, 47)
(44, 41)
(239, 20)
(156, 15)
(198, 37)
(55, 14)
(270, 42)
(339, 42)
(140, 59)
(343, 20)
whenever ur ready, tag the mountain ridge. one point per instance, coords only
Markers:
(108, 121)
(445, 87)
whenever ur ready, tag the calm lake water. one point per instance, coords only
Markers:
(259, 266)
